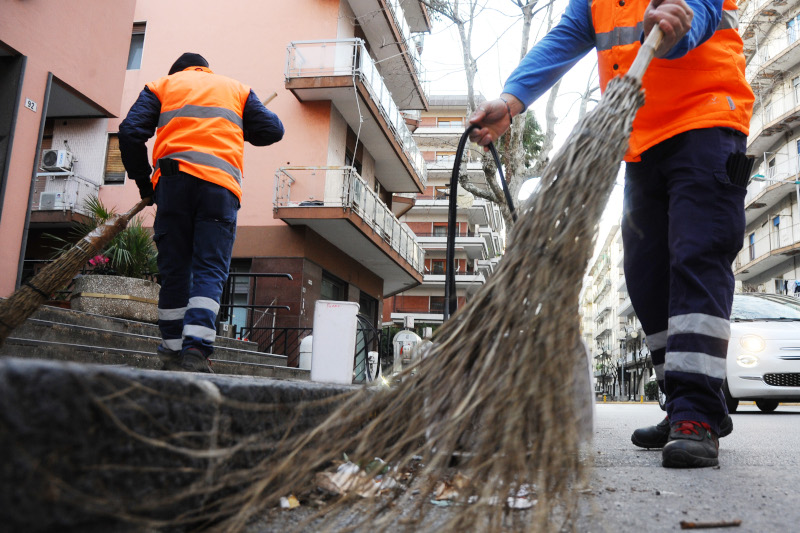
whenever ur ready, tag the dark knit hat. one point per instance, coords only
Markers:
(188, 60)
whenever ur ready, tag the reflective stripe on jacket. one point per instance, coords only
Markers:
(703, 89)
(201, 126)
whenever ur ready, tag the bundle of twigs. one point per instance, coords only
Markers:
(34, 292)
(498, 387)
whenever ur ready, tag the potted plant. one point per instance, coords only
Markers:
(119, 280)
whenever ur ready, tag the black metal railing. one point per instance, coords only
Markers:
(277, 341)
(368, 339)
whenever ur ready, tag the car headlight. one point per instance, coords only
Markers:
(752, 343)
(747, 360)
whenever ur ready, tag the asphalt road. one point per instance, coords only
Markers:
(757, 482)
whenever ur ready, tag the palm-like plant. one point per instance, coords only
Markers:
(132, 252)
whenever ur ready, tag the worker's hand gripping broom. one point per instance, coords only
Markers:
(505, 387)
(33, 293)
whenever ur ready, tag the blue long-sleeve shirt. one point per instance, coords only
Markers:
(261, 128)
(573, 37)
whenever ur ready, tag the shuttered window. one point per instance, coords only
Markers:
(114, 171)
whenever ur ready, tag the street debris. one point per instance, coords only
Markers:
(350, 478)
(289, 503)
(449, 490)
(709, 525)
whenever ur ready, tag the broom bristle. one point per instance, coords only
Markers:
(498, 386)
(56, 275)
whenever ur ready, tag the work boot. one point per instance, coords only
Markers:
(193, 360)
(170, 359)
(657, 436)
(691, 445)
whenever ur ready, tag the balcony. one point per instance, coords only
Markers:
(334, 71)
(773, 115)
(602, 289)
(767, 251)
(351, 217)
(625, 309)
(756, 14)
(469, 281)
(473, 245)
(417, 16)
(59, 198)
(478, 210)
(764, 195)
(389, 36)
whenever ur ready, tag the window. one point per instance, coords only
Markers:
(137, 46)
(440, 230)
(776, 221)
(438, 266)
(771, 169)
(450, 122)
(752, 245)
(351, 161)
(114, 171)
(437, 304)
(792, 27)
(332, 288)
(796, 90)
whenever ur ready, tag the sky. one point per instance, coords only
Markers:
(496, 45)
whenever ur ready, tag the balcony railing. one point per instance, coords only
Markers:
(400, 20)
(779, 238)
(785, 168)
(63, 191)
(346, 189)
(349, 57)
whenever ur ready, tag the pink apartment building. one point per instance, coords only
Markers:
(320, 205)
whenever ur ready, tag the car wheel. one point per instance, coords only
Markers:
(766, 406)
(662, 400)
(730, 401)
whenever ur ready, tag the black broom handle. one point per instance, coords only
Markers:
(450, 297)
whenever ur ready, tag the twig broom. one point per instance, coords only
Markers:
(498, 388)
(33, 293)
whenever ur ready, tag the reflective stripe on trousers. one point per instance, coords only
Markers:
(682, 226)
(194, 231)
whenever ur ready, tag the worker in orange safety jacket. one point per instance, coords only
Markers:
(685, 182)
(201, 121)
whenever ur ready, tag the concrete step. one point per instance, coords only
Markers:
(73, 334)
(80, 318)
(85, 444)
(148, 360)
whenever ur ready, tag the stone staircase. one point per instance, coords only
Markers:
(67, 335)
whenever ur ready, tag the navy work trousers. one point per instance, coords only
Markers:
(683, 224)
(194, 231)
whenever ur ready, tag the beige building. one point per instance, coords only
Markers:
(768, 261)
(318, 205)
(609, 325)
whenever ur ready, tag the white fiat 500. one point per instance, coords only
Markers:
(764, 351)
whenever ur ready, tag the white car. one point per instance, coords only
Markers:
(764, 351)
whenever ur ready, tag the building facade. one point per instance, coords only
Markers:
(319, 204)
(62, 72)
(480, 232)
(768, 261)
(609, 326)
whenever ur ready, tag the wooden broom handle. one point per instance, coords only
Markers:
(646, 53)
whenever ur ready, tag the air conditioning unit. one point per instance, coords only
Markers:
(49, 201)
(57, 160)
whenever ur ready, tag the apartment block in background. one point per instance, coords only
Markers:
(768, 261)
(480, 232)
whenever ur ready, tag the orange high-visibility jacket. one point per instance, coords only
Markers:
(703, 89)
(201, 126)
